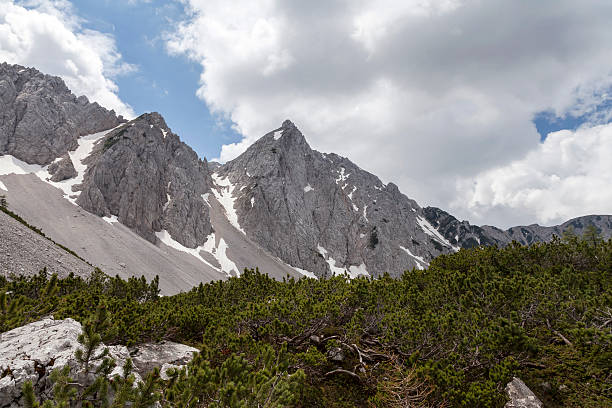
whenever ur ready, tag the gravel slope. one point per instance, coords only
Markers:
(117, 250)
(23, 251)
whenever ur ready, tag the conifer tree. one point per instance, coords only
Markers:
(95, 331)
(591, 235)
(11, 309)
(569, 235)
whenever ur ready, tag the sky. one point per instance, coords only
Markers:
(497, 111)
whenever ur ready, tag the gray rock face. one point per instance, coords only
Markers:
(324, 214)
(280, 200)
(142, 173)
(31, 352)
(465, 235)
(40, 119)
(62, 169)
(521, 396)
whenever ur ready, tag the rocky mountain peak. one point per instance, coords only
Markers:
(287, 124)
(153, 118)
(279, 203)
(145, 176)
(40, 119)
(322, 213)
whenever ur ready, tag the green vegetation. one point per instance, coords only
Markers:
(114, 138)
(452, 335)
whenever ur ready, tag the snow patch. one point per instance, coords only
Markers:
(350, 195)
(336, 271)
(306, 273)
(112, 219)
(12, 165)
(365, 216)
(164, 133)
(278, 134)
(355, 271)
(431, 231)
(225, 195)
(219, 252)
(227, 265)
(164, 236)
(352, 271)
(3, 187)
(342, 176)
(308, 188)
(252, 201)
(421, 263)
(205, 198)
(168, 200)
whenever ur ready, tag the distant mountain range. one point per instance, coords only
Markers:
(132, 198)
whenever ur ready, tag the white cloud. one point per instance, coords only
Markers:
(48, 35)
(441, 91)
(566, 176)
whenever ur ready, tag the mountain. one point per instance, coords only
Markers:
(145, 176)
(41, 119)
(465, 235)
(132, 198)
(322, 213)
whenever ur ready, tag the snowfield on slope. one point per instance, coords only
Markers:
(12, 165)
(225, 195)
(218, 251)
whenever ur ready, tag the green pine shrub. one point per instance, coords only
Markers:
(452, 335)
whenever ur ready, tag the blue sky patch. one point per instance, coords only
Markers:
(547, 122)
(162, 83)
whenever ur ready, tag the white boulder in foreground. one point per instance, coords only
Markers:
(521, 396)
(31, 352)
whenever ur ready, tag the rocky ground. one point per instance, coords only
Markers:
(31, 352)
(23, 251)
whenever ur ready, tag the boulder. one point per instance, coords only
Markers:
(62, 169)
(31, 352)
(521, 396)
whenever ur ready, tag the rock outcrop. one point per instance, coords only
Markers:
(40, 119)
(143, 174)
(62, 169)
(31, 352)
(322, 213)
(521, 396)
